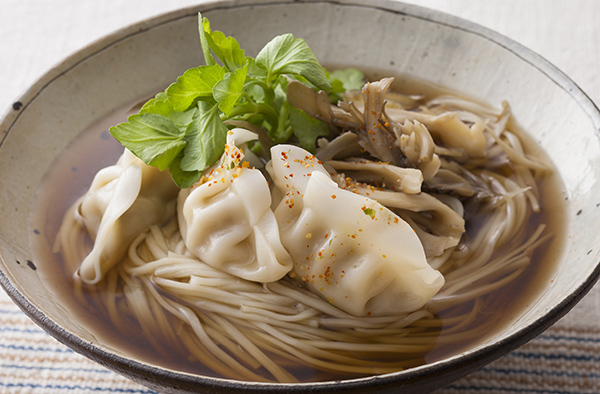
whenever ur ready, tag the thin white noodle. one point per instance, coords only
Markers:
(260, 332)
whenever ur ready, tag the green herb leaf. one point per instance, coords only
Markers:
(161, 105)
(183, 128)
(257, 72)
(153, 138)
(226, 48)
(195, 83)
(206, 137)
(228, 90)
(369, 212)
(343, 80)
(203, 28)
(182, 178)
(307, 129)
(337, 87)
(288, 55)
(283, 131)
(351, 78)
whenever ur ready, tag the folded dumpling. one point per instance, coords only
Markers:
(348, 248)
(124, 200)
(227, 222)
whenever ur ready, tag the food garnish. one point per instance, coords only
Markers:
(184, 128)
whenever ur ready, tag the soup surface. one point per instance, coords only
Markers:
(71, 175)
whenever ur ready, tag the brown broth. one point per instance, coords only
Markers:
(71, 174)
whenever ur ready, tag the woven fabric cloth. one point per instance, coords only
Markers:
(35, 35)
(564, 359)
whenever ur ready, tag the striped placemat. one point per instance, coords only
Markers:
(31, 361)
(37, 34)
(564, 359)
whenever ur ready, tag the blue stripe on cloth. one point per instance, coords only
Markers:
(509, 371)
(566, 338)
(24, 330)
(37, 349)
(57, 369)
(555, 356)
(76, 388)
(11, 312)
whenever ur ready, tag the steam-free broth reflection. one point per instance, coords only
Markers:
(169, 325)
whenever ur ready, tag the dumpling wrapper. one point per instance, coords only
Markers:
(124, 200)
(227, 221)
(349, 249)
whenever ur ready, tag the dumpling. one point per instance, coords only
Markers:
(348, 248)
(124, 200)
(227, 222)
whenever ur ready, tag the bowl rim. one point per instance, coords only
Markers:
(447, 369)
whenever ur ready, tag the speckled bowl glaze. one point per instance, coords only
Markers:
(386, 35)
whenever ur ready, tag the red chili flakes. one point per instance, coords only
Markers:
(333, 196)
(328, 274)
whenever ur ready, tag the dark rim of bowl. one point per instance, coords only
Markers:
(445, 370)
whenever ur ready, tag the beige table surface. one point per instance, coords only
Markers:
(37, 34)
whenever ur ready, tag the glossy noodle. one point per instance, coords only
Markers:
(339, 261)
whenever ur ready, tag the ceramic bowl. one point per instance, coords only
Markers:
(389, 36)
